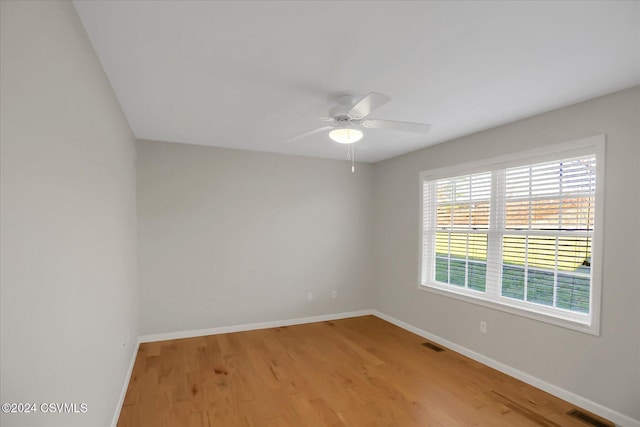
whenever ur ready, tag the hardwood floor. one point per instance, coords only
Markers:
(356, 372)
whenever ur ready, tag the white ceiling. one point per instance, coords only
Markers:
(249, 75)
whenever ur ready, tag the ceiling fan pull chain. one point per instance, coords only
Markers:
(353, 158)
(349, 152)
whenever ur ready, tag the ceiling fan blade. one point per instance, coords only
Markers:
(392, 124)
(369, 103)
(303, 135)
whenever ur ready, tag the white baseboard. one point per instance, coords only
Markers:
(251, 326)
(584, 403)
(123, 392)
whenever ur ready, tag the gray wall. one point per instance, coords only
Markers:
(605, 368)
(229, 237)
(68, 224)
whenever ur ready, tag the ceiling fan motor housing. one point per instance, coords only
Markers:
(340, 113)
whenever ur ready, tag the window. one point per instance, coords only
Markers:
(518, 233)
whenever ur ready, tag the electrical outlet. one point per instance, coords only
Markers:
(483, 327)
(334, 294)
(309, 296)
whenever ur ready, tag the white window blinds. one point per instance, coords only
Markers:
(518, 236)
(548, 229)
(462, 218)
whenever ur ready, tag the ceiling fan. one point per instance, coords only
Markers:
(349, 119)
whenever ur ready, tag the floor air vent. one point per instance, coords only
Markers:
(575, 413)
(433, 346)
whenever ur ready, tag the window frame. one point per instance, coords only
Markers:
(590, 323)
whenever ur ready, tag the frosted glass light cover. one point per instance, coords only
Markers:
(346, 135)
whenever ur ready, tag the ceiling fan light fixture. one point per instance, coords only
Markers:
(346, 135)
